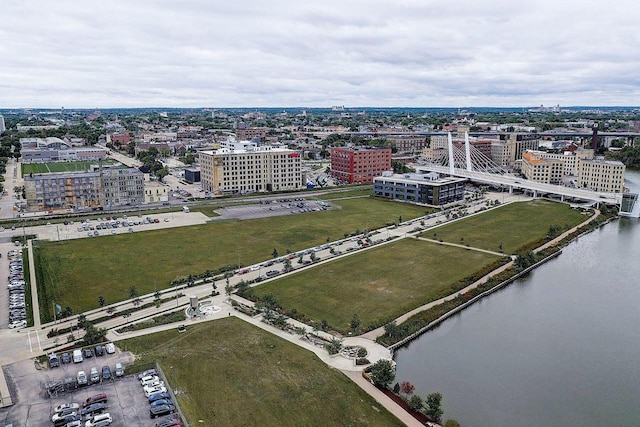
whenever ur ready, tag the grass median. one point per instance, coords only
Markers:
(230, 373)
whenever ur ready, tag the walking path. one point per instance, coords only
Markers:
(34, 287)
(457, 245)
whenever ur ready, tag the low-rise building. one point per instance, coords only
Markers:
(427, 189)
(359, 165)
(155, 191)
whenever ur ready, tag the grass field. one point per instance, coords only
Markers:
(512, 225)
(28, 168)
(78, 271)
(379, 284)
(230, 373)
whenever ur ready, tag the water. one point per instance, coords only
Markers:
(560, 347)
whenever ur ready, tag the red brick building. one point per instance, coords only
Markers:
(359, 165)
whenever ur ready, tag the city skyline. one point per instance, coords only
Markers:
(359, 53)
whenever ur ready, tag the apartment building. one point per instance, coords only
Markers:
(427, 189)
(250, 133)
(359, 165)
(570, 160)
(84, 190)
(535, 168)
(408, 143)
(601, 175)
(250, 169)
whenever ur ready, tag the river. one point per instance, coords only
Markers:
(560, 347)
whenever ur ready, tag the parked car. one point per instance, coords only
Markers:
(65, 358)
(161, 402)
(156, 411)
(62, 414)
(149, 379)
(169, 421)
(99, 351)
(119, 371)
(158, 396)
(100, 397)
(87, 353)
(110, 348)
(93, 409)
(70, 405)
(106, 373)
(81, 378)
(94, 376)
(147, 373)
(97, 419)
(148, 391)
(69, 420)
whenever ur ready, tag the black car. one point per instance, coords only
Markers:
(156, 411)
(161, 402)
(158, 396)
(106, 373)
(99, 350)
(94, 408)
(169, 421)
(65, 358)
(87, 353)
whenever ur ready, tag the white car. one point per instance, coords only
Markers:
(18, 324)
(96, 419)
(110, 348)
(149, 379)
(148, 391)
(71, 405)
(63, 414)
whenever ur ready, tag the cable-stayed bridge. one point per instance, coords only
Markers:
(472, 164)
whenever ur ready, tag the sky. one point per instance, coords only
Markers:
(357, 53)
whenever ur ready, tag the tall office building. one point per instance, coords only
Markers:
(2, 126)
(359, 165)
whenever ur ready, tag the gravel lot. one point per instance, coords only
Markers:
(127, 404)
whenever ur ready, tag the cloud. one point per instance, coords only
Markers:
(204, 53)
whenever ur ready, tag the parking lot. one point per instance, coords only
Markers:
(126, 403)
(272, 208)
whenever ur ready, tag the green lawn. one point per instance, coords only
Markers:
(512, 225)
(79, 271)
(230, 373)
(28, 168)
(379, 284)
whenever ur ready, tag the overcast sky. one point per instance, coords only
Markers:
(277, 53)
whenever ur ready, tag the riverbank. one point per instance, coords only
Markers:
(413, 324)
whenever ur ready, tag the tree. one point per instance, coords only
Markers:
(133, 292)
(355, 322)
(82, 320)
(407, 388)
(101, 301)
(554, 231)
(525, 260)
(94, 335)
(274, 254)
(433, 406)
(228, 289)
(382, 372)
(416, 402)
(156, 295)
(334, 346)
(392, 330)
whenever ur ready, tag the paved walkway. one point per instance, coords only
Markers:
(34, 287)
(457, 245)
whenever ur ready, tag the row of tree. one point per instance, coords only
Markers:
(383, 374)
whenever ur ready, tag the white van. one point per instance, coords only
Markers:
(77, 356)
